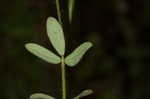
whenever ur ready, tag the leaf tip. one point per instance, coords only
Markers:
(90, 44)
(50, 18)
(90, 91)
(26, 45)
(84, 93)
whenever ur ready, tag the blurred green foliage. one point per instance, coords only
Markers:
(116, 68)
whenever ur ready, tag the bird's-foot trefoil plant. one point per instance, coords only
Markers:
(56, 37)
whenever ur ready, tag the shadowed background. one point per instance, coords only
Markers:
(117, 67)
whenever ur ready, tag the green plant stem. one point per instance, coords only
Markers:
(58, 11)
(62, 58)
(63, 78)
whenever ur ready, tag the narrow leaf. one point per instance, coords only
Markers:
(56, 35)
(43, 53)
(71, 4)
(77, 54)
(40, 96)
(84, 93)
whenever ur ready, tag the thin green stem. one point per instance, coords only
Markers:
(58, 11)
(62, 58)
(63, 78)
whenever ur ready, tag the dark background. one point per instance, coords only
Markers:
(117, 67)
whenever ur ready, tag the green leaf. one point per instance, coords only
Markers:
(43, 53)
(84, 93)
(40, 96)
(71, 9)
(56, 35)
(77, 54)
